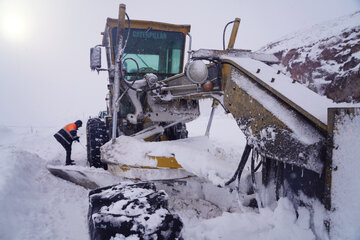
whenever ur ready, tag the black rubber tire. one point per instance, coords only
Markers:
(177, 132)
(140, 203)
(96, 137)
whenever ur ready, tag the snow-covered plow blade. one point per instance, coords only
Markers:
(80, 176)
(89, 178)
(133, 158)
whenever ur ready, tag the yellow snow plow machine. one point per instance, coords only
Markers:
(295, 138)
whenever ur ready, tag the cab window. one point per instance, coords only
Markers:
(159, 52)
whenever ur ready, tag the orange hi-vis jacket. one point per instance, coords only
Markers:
(70, 127)
(68, 133)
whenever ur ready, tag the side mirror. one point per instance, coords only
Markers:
(95, 58)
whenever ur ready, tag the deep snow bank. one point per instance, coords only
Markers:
(278, 224)
(35, 204)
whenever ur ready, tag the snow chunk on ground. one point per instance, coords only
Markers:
(278, 224)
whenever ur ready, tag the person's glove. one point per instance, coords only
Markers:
(77, 138)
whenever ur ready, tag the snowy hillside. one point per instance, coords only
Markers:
(325, 57)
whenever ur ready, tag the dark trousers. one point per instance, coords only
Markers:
(68, 154)
(67, 147)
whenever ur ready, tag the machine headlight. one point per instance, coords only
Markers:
(196, 71)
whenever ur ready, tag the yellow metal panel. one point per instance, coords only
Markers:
(242, 105)
(166, 162)
(271, 136)
(162, 162)
(142, 24)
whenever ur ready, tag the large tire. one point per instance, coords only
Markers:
(177, 132)
(96, 137)
(137, 211)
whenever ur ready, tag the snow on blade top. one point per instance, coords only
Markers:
(311, 102)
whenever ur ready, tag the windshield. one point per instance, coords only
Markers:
(159, 52)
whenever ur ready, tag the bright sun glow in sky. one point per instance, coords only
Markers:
(14, 26)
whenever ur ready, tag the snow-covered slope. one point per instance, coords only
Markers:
(325, 57)
(34, 204)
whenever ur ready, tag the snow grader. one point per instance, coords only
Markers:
(294, 134)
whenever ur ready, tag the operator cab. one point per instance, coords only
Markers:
(152, 47)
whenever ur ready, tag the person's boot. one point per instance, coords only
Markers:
(68, 157)
(71, 162)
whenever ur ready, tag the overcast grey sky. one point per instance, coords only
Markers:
(45, 78)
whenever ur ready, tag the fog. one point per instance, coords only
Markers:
(45, 79)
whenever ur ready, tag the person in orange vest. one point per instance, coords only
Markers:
(66, 136)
